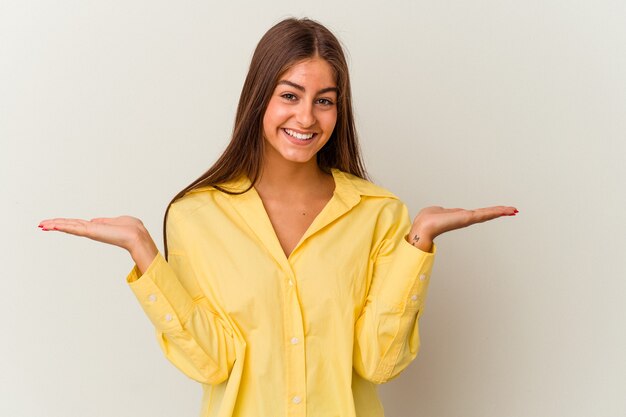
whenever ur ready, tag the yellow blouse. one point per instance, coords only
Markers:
(271, 336)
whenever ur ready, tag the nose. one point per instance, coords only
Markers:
(305, 115)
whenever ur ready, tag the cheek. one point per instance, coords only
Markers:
(274, 116)
(329, 120)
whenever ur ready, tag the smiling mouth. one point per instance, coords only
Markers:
(299, 136)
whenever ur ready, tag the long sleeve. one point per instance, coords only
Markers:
(387, 331)
(191, 333)
(303, 335)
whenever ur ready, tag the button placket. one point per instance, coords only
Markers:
(295, 354)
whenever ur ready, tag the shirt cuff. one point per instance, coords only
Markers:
(407, 279)
(161, 295)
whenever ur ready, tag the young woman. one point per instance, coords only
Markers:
(290, 285)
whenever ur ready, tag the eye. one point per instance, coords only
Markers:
(325, 102)
(289, 96)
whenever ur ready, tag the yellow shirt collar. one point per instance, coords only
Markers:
(348, 187)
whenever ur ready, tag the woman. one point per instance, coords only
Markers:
(290, 284)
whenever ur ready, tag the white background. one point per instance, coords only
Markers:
(112, 107)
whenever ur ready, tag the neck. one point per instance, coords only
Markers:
(288, 178)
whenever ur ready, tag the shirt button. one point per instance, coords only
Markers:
(152, 298)
(423, 277)
(290, 282)
(296, 400)
(414, 297)
(168, 317)
(294, 340)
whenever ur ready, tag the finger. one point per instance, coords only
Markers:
(73, 226)
(96, 231)
(76, 227)
(504, 210)
(49, 223)
(490, 213)
(56, 219)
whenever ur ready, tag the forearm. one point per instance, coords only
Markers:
(193, 336)
(386, 332)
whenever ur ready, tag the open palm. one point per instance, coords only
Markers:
(434, 221)
(122, 231)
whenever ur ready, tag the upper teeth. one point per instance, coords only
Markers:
(299, 135)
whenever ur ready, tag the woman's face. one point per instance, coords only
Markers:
(302, 112)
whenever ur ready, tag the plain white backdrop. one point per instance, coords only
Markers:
(112, 107)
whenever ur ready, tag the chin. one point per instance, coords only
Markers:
(299, 159)
(300, 156)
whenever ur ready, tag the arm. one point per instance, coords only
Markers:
(191, 332)
(387, 332)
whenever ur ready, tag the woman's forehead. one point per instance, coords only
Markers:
(311, 71)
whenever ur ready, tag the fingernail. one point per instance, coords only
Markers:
(516, 211)
(44, 229)
(40, 226)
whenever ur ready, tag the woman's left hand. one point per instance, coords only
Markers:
(434, 221)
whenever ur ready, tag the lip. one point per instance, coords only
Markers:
(297, 141)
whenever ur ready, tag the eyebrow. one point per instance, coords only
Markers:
(301, 88)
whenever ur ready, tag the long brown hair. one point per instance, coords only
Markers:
(284, 45)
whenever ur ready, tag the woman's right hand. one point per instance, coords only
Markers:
(124, 231)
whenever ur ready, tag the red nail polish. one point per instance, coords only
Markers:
(44, 229)
(40, 226)
(516, 211)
